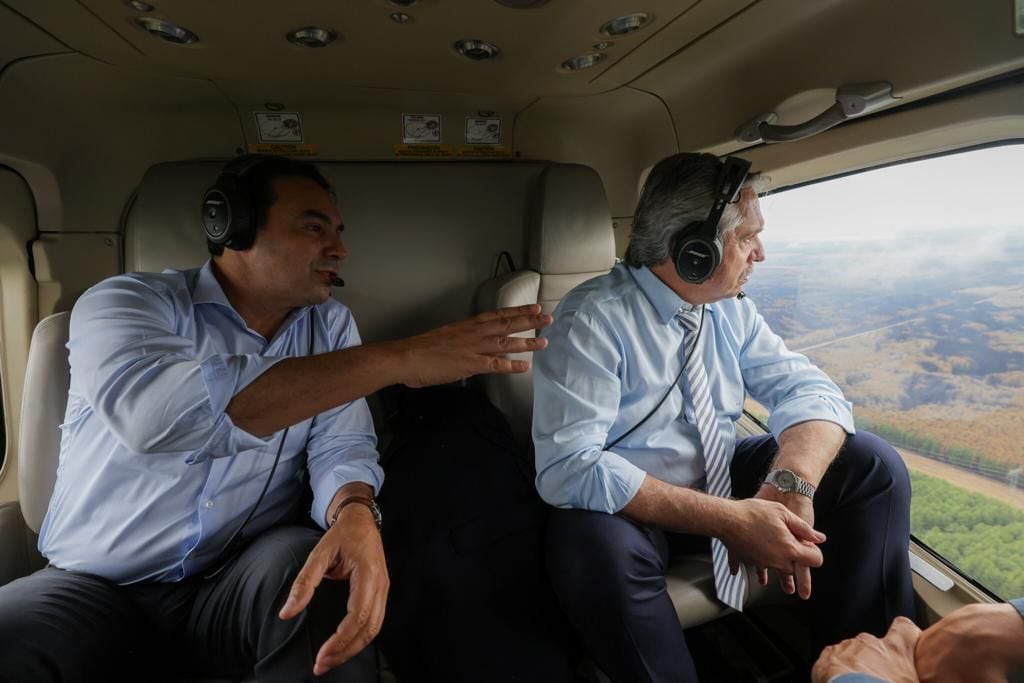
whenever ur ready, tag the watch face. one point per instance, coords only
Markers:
(785, 479)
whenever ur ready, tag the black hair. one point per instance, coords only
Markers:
(258, 181)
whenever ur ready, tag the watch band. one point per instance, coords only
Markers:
(368, 502)
(795, 484)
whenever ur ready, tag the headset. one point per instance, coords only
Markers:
(229, 209)
(697, 248)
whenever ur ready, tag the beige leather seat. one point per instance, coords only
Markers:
(571, 241)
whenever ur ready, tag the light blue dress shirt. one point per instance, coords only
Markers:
(154, 477)
(614, 350)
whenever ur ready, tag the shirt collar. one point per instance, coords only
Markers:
(207, 290)
(665, 301)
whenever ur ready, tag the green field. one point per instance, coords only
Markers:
(981, 536)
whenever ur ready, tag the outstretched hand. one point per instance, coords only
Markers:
(472, 347)
(351, 550)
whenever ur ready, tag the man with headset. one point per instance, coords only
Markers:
(634, 411)
(198, 400)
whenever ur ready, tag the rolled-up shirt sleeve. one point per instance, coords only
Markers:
(140, 374)
(787, 383)
(342, 443)
(576, 402)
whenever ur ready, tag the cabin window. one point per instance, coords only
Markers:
(906, 285)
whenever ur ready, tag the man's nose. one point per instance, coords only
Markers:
(758, 252)
(336, 248)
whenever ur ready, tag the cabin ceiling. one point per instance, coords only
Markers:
(712, 63)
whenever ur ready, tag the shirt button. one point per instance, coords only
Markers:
(208, 504)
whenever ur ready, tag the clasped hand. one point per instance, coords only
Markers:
(771, 535)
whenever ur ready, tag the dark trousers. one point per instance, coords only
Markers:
(609, 573)
(65, 626)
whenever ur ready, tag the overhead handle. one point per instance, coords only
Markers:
(851, 101)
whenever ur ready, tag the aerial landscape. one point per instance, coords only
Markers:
(924, 333)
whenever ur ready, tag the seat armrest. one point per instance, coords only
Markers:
(18, 556)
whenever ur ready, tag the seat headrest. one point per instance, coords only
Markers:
(163, 230)
(571, 228)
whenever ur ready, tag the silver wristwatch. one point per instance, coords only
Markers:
(788, 481)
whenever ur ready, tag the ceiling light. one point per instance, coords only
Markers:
(477, 50)
(140, 6)
(311, 36)
(165, 30)
(522, 4)
(400, 17)
(620, 26)
(603, 45)
(583, 61)
(274, 106)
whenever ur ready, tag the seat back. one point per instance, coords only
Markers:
(571, 241)
(47, 377)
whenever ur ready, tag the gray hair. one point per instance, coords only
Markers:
(678, 192)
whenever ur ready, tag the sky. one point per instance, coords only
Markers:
(980, 188)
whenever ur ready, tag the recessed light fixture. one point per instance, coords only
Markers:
(400, 18)
(620, 26)
(603, 45)
(311, 36)
(583, 61)
(477, 50)
(140, 6)
(274, 106)
(522, 4)
(166, 31)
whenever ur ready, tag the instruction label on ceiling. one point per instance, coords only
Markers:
(284, 149)
(484, 151)
(483, 131)
(421, 128)
(423, 150)
(283, 126)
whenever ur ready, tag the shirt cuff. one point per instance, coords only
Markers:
(808, 408)
(366, 471)
(1018, 604)
(226, 375)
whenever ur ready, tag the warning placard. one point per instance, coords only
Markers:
(483, 131)
(284, 126)
(421, 128)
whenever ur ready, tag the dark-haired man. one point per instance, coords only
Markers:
(198, 400)
(634, 411)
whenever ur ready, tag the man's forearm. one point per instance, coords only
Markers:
(808, 449)
(296, 389)
(677, 509)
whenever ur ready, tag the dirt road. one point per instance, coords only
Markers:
(963, 479)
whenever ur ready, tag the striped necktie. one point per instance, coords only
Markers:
(731, 589)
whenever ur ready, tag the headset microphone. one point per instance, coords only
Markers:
(337, 281)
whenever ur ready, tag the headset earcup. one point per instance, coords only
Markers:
(696, 253)
(227, 214)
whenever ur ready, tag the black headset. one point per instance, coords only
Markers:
(229, 208)
(697, 248)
